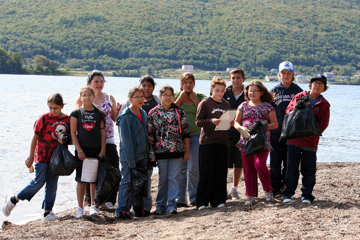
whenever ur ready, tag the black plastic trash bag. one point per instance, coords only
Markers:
(257, 141)
(107, 181)
(62, 162)
(300, 122)
(139, 182)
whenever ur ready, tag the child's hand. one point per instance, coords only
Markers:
(29, 162)
(60, 139)
(101, 155)
(215, 121)
(81, 156)
(186, 156)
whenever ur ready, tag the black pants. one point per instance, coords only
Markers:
(113, 156)
(308, 171)
(212, 181)
(278, 162)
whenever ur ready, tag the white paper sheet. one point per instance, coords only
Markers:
(226, 118)
(89, 170)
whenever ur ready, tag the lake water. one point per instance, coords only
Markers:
(23, 99)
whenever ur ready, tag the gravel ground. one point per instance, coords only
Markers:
(334, 214)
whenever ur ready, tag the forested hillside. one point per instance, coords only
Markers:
(211, 35)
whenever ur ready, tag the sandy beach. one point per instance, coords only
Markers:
(334, 214)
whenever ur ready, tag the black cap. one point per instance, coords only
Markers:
(319, 77)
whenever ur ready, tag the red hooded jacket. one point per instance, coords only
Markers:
(321, 111)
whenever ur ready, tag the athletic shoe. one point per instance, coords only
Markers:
(201, 208)
(287, 199)
(109, 205)
(173, 211)
(94, 210)
(158, 212)
(124, 215)
(8, 206)
(221, 205)
(180, 205)
(146, 213)
(249, 201)
(234, 195)
(269, 196)
(50, 217)
(277, 195)
(79, 212)
(305, 200)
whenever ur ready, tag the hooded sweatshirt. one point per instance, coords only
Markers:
(282, 99)
(134, 144)
(167, 131)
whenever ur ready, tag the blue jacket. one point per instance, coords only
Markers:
(282, 99)
(134, 144)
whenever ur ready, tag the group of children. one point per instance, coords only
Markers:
(176, 132)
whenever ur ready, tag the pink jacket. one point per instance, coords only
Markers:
(321, 111)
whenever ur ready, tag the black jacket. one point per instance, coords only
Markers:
(229, 96)
(282, 99)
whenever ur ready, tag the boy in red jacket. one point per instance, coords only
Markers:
(304, 149)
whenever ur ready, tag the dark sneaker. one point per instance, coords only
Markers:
(158, 212)
(179, 205)
(172, 212)
(146, 213)
(287, 199)
(277, 195)
(193, 203)
(124, 215)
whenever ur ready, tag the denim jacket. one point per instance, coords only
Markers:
(134, 144)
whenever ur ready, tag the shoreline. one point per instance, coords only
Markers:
(334, 214)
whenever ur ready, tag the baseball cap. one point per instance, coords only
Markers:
(318, 77)
(286, 65)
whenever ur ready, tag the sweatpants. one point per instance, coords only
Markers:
(212, 181)
(254, 165)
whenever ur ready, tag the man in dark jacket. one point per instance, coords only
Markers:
(284, 92)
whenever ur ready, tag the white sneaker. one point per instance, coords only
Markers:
(269, 197)
(287, 199)
(305, 200)
(79, 212)
(94, 210)
(201, 208)
(50, 217)
(249, 201)
(109, 205)
(234, 195)
(8, 205)
(221, 205)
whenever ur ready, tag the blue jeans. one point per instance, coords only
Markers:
(191, 167)
(307, 159)
(168, 188)
(36, 184)
(124, 195)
